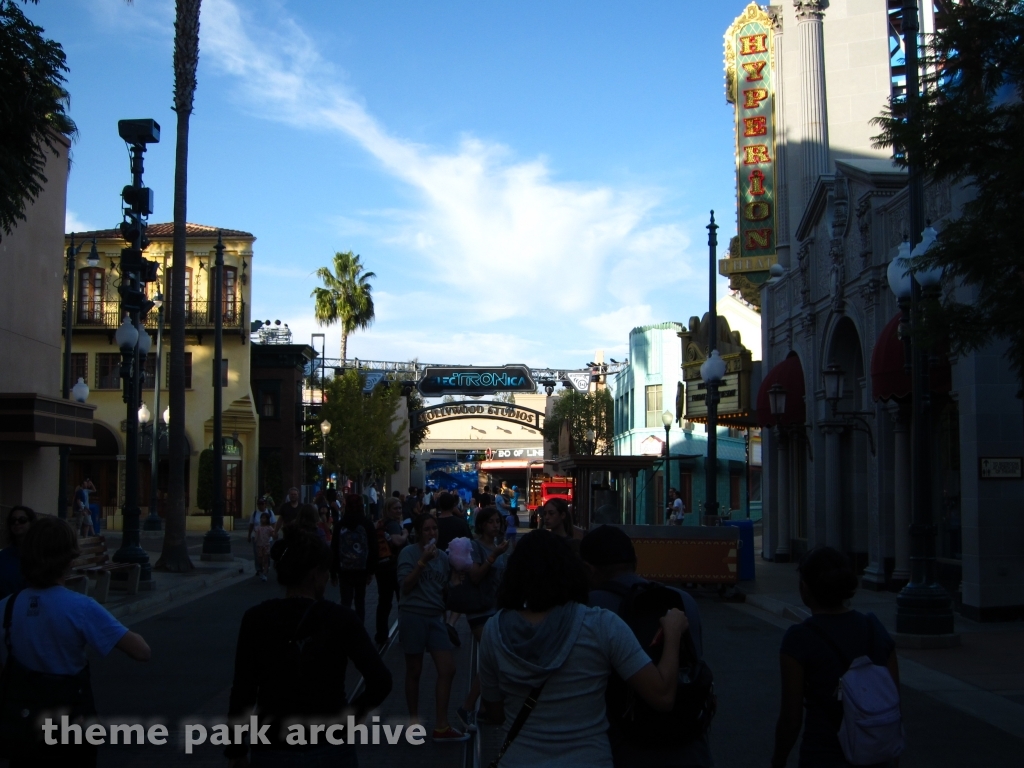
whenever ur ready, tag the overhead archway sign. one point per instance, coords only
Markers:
(498, 411)
(475, 381)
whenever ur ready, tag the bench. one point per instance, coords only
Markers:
(95, 563)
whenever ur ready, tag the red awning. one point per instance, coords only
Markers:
(788, 374)
(889, 378)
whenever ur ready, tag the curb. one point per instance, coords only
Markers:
(216, 579)
(778, 607)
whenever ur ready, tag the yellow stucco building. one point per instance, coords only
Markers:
(96, 359)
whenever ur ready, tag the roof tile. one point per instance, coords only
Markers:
(166, 232)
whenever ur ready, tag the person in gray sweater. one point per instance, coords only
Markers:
(423, 574)
(546, 636)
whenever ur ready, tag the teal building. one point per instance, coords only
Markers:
(650, 384)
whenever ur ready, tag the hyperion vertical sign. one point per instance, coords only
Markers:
(750, 86)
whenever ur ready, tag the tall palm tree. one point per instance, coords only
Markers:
(174, 556)
(346, 298)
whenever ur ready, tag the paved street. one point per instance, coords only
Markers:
(193, 649)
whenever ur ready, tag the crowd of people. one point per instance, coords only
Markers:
(585, 661)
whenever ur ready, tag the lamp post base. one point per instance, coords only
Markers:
(217, 541)
(924, 610)
(133, 553)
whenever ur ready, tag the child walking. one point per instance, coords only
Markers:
(264, 538)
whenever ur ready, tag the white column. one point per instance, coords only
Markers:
(785, 510)
(782, 175)
(833, 486)
(901, 491)
(813, 103)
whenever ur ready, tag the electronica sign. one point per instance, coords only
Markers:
(472, 380)
(750, 86)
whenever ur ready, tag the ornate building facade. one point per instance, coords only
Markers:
(837, 470)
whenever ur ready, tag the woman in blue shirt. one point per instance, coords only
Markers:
(50, 629)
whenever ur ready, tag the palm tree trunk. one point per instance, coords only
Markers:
(174, 556)
(344, 346)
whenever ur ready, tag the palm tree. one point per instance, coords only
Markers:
(174, 555)
(346, 296)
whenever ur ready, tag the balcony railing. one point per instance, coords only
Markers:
(198, 315)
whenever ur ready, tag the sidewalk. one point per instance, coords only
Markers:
(173, 589)
(983, 676)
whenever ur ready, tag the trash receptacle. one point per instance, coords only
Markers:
(745, 555)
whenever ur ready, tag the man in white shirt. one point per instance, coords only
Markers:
(371, 494)
(261, 507)
(676, 508)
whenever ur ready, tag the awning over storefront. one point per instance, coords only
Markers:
(789, 375)
(889, 378)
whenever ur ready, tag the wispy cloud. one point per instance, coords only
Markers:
(482, 211)
(608, 327)
(74, 224)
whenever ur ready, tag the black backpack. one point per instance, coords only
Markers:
(642, 607)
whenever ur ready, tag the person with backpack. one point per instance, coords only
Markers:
(546, 656)
(840, 667)
(291, 662)
(46, 631)
(391, 537)
(678, 738)
(355, 555)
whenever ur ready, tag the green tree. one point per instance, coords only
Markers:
(174, 555)
(968, 128)
(33, 104)
(346, 296)
(414, 401)
(584, 411)
(364, 441)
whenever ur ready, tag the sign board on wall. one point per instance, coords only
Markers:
(1000, 467)
(734, 395)
(750, 86)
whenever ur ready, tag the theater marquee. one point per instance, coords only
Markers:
(750, 86)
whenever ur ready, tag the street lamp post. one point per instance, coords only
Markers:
(65, 385)
(131, 336)
(152, 521)
(712, 371)
(217, 542)
(667, 418)
(325, 430)
(923, 606)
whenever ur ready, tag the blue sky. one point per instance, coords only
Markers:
(528, 180)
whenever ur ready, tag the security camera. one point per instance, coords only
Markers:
(144, 131)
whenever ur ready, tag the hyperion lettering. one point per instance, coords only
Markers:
(753, 70)
(757, 238)
(755, 154)
(753, 44)
(753, 97)
(755, 126)
(756, 179)
(757, 211)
